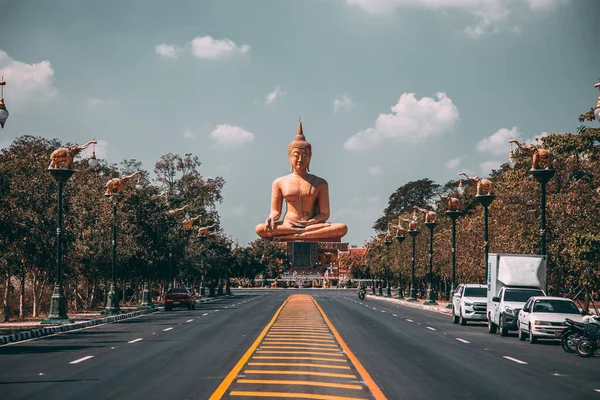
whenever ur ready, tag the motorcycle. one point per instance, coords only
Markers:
(590, 342)
(362, 292)
(571, 335)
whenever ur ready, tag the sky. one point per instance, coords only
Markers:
(389, 91)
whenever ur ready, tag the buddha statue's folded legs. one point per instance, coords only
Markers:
(284, 230)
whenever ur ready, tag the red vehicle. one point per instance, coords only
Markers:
(179, 297)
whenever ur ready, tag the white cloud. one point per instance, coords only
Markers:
(26, 82)
(208, 47)
(545, 5)
(454, 163)
(497, 143)
(97, 102)
(363, 209)
(228, 136)
(188, 134)
(411, 121)
(375, 170)
(101, 149)
(277, 93)
(487, 166)
(343, 102)
(167, 50)
(488, 15)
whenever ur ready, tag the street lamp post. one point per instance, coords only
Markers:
(453, 215)
(485, 197)
(413, 232)
(542, 175)
(114, 191)
(430, 291)
(112, 300)
(58, 302)
(3, 110)
(400, 238)
(387, 244)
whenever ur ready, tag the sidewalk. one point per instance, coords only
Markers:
(440, 307)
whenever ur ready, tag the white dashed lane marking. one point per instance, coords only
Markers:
(81, 360)
(514, 360)
(462, 340)
(205, 314)
(410, 320)
(431, 329)
(394, 315)
(135, 340)
(167, 329)
(189, 320)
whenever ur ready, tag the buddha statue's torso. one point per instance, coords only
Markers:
(301, 193)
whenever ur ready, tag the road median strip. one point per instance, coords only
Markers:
(51, 330)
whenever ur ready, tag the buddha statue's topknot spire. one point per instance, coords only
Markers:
(299, 141)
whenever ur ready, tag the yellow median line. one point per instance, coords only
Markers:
(286, 372)
(288, 395)
(240, 364)
(303, 383)
(298, 358)
(377, 393)
(319, 353)
(295, 340)
(282, 364)
(300, 346)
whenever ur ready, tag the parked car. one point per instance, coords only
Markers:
(179, 297)
(544, 317)
(469, 303)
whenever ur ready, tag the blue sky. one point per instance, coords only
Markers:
(389, 91)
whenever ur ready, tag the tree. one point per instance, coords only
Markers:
(413, 193)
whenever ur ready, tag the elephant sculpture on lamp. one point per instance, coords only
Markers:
(203, 231)
(189, 223)
(177, 211)
(117, 185)
(65, 156)
(453, 204)
(412, 224)
(400, 231)
(483, 185)
(430, 216)
(538, 155)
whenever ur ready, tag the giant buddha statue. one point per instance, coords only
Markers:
(307, 201)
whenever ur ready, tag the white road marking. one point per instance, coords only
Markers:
(410, 320)
(81, 359)
(382, 311)
(431, 329)
(167, 329)
(394, 315)
(112, 348)
(41, 373)
(514, 359)
(597, 390)
(135, 340)
(205, 314)
(189, 320)
(462, 340)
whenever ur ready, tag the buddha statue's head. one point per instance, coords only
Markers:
(299, 152)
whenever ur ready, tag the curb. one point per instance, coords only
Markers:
(440, 310)
(35, 333)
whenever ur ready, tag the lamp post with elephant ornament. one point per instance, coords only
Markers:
(115, 188)
(60, 169)
(485, 197)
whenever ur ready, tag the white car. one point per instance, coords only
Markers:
(469, 303)
(544, 317)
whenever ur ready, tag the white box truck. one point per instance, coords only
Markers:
(512, 279)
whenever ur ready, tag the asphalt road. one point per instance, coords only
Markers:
(409, 353)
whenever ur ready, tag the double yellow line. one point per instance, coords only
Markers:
(280, 336)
